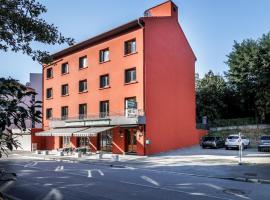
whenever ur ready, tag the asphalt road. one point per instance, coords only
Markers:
(46, 180)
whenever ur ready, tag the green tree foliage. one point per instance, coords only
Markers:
(21, 24)
(210, 93)
(249, 75)
(14, 112)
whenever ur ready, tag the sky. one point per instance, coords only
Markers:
(211, 27)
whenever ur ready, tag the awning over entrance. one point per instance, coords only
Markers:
(93, 131)
(44, 133)
(61, 131)
(76, 131)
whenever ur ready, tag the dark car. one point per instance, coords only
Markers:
(264, 143)
(212, 142)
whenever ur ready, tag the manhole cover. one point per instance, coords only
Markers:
(234, 192)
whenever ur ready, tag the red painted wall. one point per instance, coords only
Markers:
(118, 145)
(40, 141)
(94, 144)
(169, 86)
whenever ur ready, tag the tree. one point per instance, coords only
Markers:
(210, 91)
(14, 112)
(21, 24)
(249, 75)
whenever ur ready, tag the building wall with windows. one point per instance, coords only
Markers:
(115, 68)
(107, 78)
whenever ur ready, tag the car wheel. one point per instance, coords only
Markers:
(259, 149)
(227, 148)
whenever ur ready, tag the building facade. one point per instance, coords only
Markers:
(26, 138)
(128, 90)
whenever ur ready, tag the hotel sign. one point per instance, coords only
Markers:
(97, 122)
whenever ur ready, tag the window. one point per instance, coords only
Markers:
(66, 141)
(130, 106)
(64, 90)
(82, 111)
(49, 93)
(64, 112)
(48, 113)
(104, 81)
(104, 55)
(82, 62)
(130, 75)
(64, 68)
(130, 47)
(104, 109)
(83, 86)
(49, 73)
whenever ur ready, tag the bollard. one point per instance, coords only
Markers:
(115, 158)
(78, 155)
(38, 152)
(60, 153)
(100, 155)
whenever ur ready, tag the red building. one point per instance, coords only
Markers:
(128, 90)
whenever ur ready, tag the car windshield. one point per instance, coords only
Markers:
(233, 137)
(209, 139)
(265, 138)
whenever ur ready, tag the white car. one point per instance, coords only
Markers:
(234, 141)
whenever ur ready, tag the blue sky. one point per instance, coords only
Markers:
(211, 26)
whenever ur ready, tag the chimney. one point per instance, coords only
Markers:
(166, 9)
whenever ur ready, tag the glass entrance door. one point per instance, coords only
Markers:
(131, 141)
(105, 141)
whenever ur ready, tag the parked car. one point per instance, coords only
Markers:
(212, 142)
(264, 143)
(234, 141)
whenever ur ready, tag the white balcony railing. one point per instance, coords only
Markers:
(128, 113)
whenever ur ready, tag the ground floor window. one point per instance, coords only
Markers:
(83, 141)
(105, 141)
(66, 141)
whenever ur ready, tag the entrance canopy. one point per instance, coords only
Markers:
(91, 131)
(60, 131)
(75, 131)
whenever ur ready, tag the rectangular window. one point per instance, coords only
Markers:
(130, 107)
(64, 90)
(49, 73)
(48, 113)
(64, 68)
(104, 55)
(130, 47)
(130, 75)
(49, 93)
(104, 109)
(82, 62)
(82, 111)
(64, 112)
(104, 81)
(82, 85)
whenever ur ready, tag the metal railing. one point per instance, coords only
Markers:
(128, 113)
